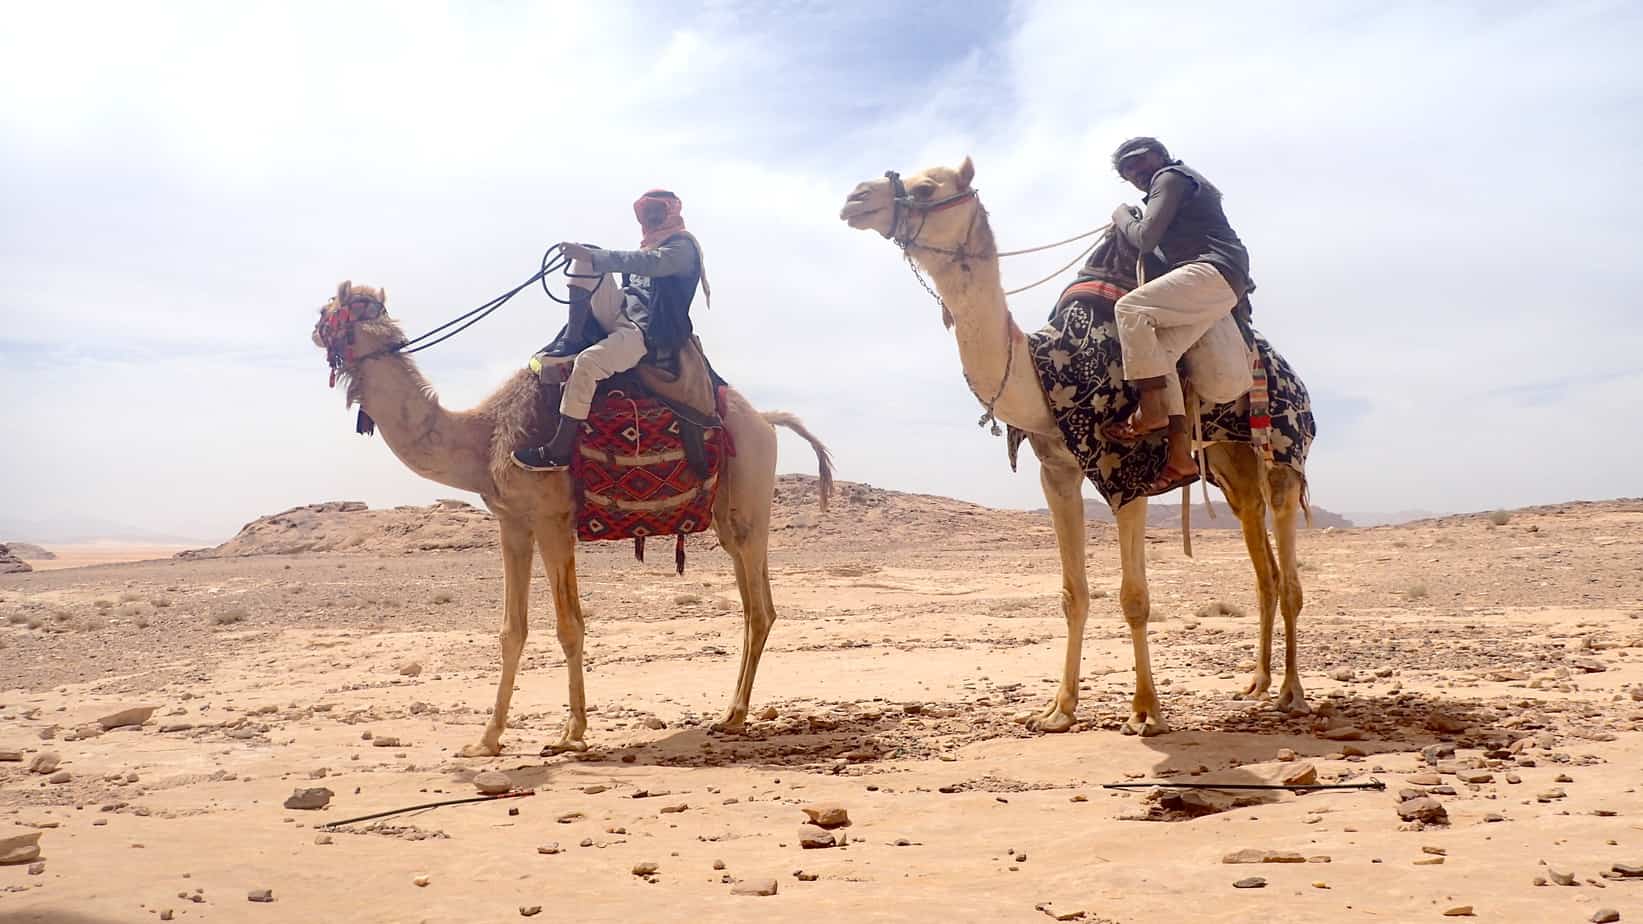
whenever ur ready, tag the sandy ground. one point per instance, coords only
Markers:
(82, 554)
(893, 682)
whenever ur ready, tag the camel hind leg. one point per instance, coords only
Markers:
(557, 541)
(1237, 471)
(1287, 487)
(741, 518)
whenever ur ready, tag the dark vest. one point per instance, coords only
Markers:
(1200, 233)
(660, 306)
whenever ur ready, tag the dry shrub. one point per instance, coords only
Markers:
(228, 617)
(441, 598)
(103, 604)
(36, 622)
(1219, 608)
(161, 602)
(687, 600)
(1415, 592)
(129, 597)
(96, 622)
(141, 621)
(61, 615)
(17, 619)
(1500, 518)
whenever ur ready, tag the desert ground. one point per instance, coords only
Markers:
(1493, 664)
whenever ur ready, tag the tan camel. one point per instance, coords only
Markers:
(945, 229)
(469, 450)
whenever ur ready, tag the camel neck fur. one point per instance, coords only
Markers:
(452, 448)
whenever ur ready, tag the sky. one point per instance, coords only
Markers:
(1439, 200)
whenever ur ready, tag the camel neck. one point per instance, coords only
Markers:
(974, 297)
(450, 448)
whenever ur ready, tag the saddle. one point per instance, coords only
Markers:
(649, 456)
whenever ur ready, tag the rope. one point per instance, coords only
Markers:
(1078, 237)
(1075, 261)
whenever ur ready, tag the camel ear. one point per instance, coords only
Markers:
(382, 296)
(966, 173)
(343, 288)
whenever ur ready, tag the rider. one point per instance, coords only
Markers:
(610, 331)
(1207, 277)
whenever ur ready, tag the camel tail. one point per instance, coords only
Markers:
(824, 459)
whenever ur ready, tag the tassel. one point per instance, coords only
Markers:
(679, 554)
(639, 548)
(364, 425)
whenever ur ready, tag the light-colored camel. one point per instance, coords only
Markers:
(469, 450)
(943, 226)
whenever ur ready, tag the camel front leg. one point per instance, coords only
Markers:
(516, 589)
(1063, 483)
(558, 546)
(1287, 498)
(1146, 716)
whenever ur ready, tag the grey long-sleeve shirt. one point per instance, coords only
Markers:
(1185, 222)
(673, 258)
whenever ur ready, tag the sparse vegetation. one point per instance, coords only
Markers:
(161, 602)
(1415, 592)
(17, 619)
(441, 598)
(1500, 518)
(687, 600)
(96, 622)
(228, 617)
(103, 604)
(61, 615)
(129, 597)
(36, 622)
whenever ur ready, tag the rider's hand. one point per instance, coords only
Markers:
(576, 251)
(1124, 213)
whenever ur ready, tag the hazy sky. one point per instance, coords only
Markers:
(1440, 199)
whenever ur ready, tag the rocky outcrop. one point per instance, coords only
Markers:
(28, 551)
(11, 563)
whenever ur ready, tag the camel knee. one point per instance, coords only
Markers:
(1136, 607)
(569, 631)
(512, 638)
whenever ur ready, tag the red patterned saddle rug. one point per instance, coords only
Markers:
(635, 477)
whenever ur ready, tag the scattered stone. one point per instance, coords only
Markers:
(1425, 779)
(1494, 817)
(1629, 870)
(754, 887)
(322, 839)
(1475, 776)
(1459, 911)
(1286, 755)
(45, 762)
(803, 876)
(1563, 778)
(595, 789)
(61, 776)
(1344, 733)
(768, 713)
(410, 669)
(1352, 750)
(1424, 809)
(1433, 753)
(827, 815)
(37, 869)
(11, 756)
(19, 847)
(529, 911)
(1561, 877)
(1447, 723)
(1253, 882)
(1429, 861)
(1254, 855)
(1435, 851)
(1302, 774)
(1550, 795)
(718, 864)
(549, 849)
(1342, 674)
(492, 782)
(1605, 916)
(168, 915)
(309, 799)
(570, 818)
(422, 881)
(654, 724)
(260, 895)
(675, 809)
(136, 715)
(645, 869)
(385, 741)
(812, 837)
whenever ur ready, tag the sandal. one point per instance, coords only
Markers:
(1171, 478)
(1126, 431)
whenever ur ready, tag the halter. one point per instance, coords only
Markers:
(335, 330)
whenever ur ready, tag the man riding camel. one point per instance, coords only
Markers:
(611, 330)
(1187, 310)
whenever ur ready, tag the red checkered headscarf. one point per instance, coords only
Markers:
(672, 223)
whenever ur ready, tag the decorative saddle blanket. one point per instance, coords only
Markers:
(1081, 368)
(642, 470)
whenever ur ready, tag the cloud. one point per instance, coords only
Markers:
(1438, 201)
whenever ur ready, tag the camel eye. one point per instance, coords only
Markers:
(924, 190)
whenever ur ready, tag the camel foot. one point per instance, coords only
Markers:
(734, 722)
(1292, 699)
(481, 750)
(1145, 724)
(1258, 687)
(568, 742)
(1053, 719)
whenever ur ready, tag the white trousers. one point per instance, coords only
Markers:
(1185, 312)
(621, 350)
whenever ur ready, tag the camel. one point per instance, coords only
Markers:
(941, 224)
(469, 450)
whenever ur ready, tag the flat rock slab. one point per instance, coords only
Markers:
(827, 815)
(19, 847)
(1254, 855)
(754, 887)
(136, 715)
(812, 837)
(309, 799)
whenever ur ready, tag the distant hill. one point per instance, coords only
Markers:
(11, 564)
(76, 529)
(1395, 518)
(28, 551)
(1165, 512)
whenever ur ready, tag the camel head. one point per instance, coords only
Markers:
(935, 210)
(354, 325)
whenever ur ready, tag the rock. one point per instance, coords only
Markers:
(654, 724)
(1605, 916)
(675, 809)
(19, 847)
(812, 837)
(1302, 774)
(827, 815)
(11, 756)
(1425, 779)
(529, 911)
(1286, 755)
(422, 881)
(385, 741)
(38, 869)
(768, 713)
(260, 895)
(1493, 817)
(410, 669)
(1446, 723)
(11, 564)
(1253, 882)
(1559, 876)
(645, 869)
(1424, 809)
(1253, 855)
(718, 864)
(322, 839)
(1475, 776)
(1549, 795)
(61, 776)
(754, 887)
(1344, 733)
(44, 762)
(1459, 911)
(1629, 870)
(1352, 750)
(1433, 753)
(136, 715)
(492, 782)
(168, 915)
(1430, 861)
(309, 799)
(1435, 851)
(1342, 674)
